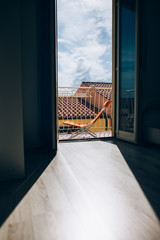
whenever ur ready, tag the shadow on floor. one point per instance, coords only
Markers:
(12, 192)
(144, 162)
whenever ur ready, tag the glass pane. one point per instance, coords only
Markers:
(127, 65)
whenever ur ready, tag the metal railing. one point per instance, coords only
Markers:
(126, 105)
(81, 105)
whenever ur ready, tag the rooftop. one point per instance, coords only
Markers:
(73, 107)
(76, 104)
(107, 93)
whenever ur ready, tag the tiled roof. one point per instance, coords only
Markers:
(78, 106)
(107, 93)
(72, 107)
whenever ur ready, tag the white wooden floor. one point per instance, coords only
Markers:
(87, 192)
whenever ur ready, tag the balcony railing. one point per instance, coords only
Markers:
(81, 105)
(126, 106)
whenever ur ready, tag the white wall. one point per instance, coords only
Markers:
(150, 68)
(39, 98)
(27, 82)
(31, 73)
(11, 121)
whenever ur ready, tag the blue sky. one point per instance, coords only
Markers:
(84, 41)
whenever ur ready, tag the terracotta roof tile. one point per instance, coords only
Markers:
(72, 107)
(75, 107)
(107, 93)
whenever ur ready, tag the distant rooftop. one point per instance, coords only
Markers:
(98, 84)
(107, 93)
(73, 107)
(77, 106)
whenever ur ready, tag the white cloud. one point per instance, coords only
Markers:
(82, 45)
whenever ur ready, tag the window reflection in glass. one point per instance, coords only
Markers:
(127, 65)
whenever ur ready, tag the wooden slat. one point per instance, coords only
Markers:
(89, 192)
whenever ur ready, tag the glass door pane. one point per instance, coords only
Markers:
(126, 69)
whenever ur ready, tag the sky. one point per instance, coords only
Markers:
(84, 41)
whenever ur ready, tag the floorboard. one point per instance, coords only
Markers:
(12, 191)
(89, 192)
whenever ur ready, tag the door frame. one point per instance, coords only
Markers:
(114, 52)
